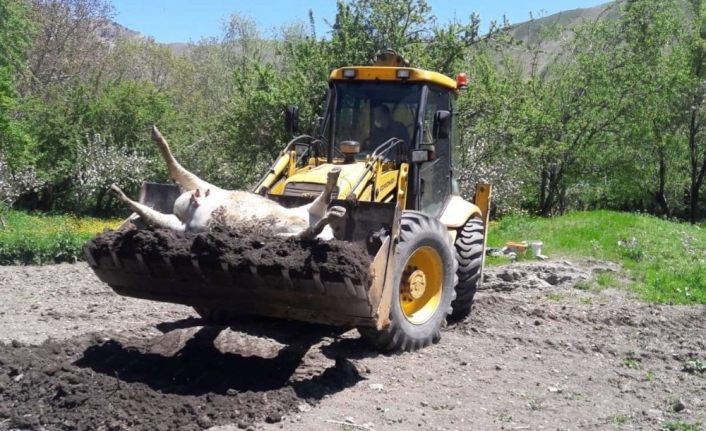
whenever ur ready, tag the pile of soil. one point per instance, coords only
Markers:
(240, 249)
(542, 275)
(95, 382)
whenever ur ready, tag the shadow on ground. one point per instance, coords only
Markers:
(200, 367)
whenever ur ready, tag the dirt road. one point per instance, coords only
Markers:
(536, 353)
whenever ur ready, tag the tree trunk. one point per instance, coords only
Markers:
(659, 196)
(542, 189)
(552, 189)
(98, 209)
(697, 165)
(562, 200)
(548, 204)
(693, 204)
(46, 201)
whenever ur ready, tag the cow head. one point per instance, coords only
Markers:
(187, 203)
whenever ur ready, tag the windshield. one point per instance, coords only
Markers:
(371, 113)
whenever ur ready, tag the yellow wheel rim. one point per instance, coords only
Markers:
(421, 284)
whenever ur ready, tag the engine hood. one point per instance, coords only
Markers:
(350, 175)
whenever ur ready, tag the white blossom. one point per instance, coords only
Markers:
(99, 164)
(14, 184)
(482, 163)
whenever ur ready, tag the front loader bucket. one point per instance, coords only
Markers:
(217, 279)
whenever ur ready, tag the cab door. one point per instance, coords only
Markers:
(434, 175)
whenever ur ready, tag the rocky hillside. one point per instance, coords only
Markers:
(546, 33)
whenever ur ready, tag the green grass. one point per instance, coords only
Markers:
(619, 420)
(632, 361)
(606, 279)
(555, 296)
(39, 239)
(681, 426)
(666, 259)
(694, 366)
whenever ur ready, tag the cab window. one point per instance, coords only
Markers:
(435, 175)
(371, 113)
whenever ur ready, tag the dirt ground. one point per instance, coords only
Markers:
(544, 348)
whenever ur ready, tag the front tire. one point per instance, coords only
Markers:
(425, 275)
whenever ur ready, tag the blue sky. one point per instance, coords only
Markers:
(191, 20)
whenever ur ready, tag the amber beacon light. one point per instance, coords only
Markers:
(462, 81)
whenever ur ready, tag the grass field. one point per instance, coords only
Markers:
(37, 239)
(666, 260)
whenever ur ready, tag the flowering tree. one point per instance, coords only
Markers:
(13, 184)
(479, 163)
(99, 164)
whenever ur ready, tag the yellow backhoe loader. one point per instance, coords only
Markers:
(390, 129)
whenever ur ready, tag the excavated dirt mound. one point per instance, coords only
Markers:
(542, 275)
(240, 249)
(185, 380)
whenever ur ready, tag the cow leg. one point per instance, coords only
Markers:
(318, 208)
(334, 213)
(150, 216)
(186, 179)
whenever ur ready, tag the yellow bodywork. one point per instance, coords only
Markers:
(458, 210)
(350, 174)
(369, 180)
(383, 73)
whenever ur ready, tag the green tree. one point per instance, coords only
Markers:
(657, 59)
(575, 108)
(15, 34)
(695, 105)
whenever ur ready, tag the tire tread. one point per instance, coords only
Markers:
(469, 254)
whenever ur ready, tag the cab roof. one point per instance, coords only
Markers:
(387, 73)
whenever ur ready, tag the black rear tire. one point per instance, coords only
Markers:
(469, 254)
(417, 231)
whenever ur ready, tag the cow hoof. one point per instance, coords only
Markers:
(334, 173)
(335, 212)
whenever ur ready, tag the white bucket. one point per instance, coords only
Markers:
(536, 247)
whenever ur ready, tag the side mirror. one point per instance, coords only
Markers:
(442, 125)
(291, 119)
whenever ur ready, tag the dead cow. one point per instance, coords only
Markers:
(203, 205)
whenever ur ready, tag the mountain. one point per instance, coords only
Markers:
(528, 32)
(531, 31)
(111, 31)
(546, 33)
